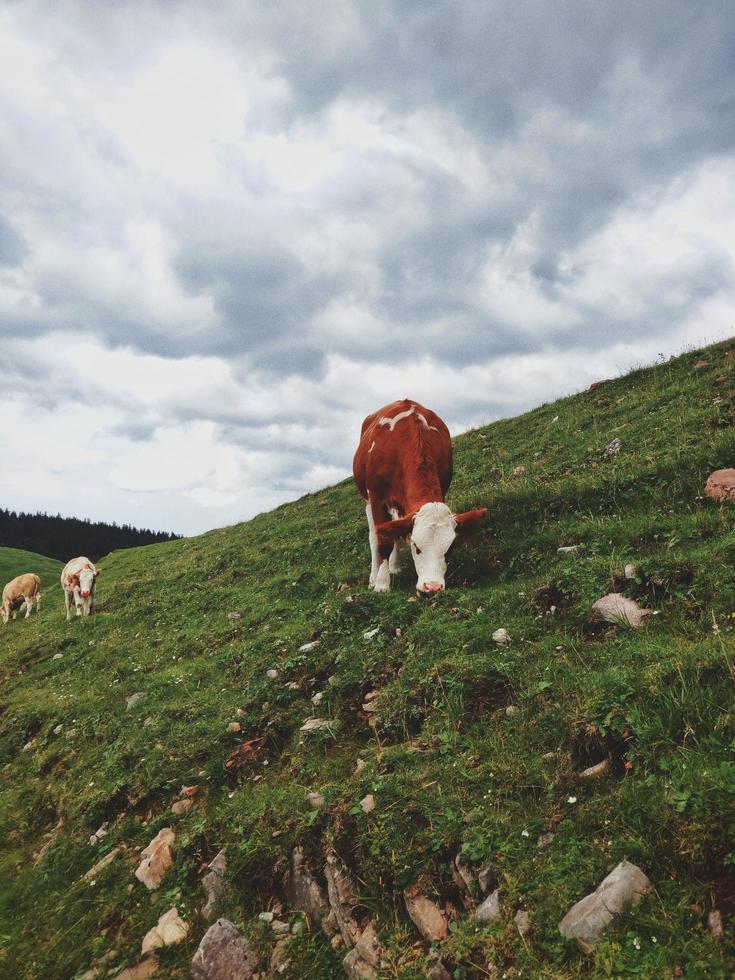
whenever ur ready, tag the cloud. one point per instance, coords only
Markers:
(235, 231)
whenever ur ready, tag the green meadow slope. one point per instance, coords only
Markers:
(452, 771)
(14, 561)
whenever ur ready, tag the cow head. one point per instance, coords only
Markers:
(432, 531)
(86, 578)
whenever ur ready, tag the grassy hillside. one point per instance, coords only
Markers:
(451, 770)
(14, 561)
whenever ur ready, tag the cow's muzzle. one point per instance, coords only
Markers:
(85, 595)
(428, 588)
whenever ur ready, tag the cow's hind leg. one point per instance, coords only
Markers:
(373, 535)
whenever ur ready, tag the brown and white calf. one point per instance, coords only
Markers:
(403, 468)
(79, 582)
(21, 589)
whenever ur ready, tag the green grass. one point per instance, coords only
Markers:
(451, 772)
(14, 561)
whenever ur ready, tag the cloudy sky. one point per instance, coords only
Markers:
(229, 231)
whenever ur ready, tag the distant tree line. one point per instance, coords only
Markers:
(67, 537)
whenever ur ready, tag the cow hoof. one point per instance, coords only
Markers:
(382, 588)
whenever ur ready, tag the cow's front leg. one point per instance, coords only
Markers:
(67, 600)
(78, 602)
(382, 579)
(29, 606)
(394, 564)
(373, 535)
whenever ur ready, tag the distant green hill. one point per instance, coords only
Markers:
(14, 562)
(470, 749)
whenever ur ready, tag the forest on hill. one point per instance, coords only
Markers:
(65, 537)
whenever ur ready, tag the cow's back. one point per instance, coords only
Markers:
(402, 431)
(27, 584)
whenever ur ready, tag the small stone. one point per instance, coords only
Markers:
(371, 633)
(613, 448)
(58, 656)
(631, 570)
(518, 470)
(523, 922)
(189, 791)
(280, 928)
(312, 724)
(487, 879)
(316, 698)
(101, 864)
(619, 610)
(266, 916)
(180, 807)
(240, 712)
(148, 721)
(594, 772)
(439, 972)
(224, 954)
(425, 914)
(701, 364)
(368, 803)
(714, 924)
(141, 971)
(720, 485)
(545, 840)
(97, 836)
(501, 636)
(586, 921)
(133, 699)
(567, 549)
(271, 674)
(308, 647)
(305, 894)
(232, 616)
(234, 726)
(70, 734)
(58, 730)
(157, 859)
(511, 711)
(215, 888)
(489, 911)
(293, 685)
(169, 930)
(316, 800)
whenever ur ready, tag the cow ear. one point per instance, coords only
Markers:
(470, 520)
(97, 572)
(394, 530)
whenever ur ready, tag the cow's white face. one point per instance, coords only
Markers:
(86, 581)
(434, 531)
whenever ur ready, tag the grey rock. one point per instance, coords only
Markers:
(280, 928)
(594, 772)
(342, 898)
(232, 616)
(224, 954)
(133, 699)
(359, 962)
(216, 889)
(523, 922)
(489, 910)
(567, 549)
(316, 800)
(714, 924)
(511, 711)
(487, 879)
(545, 840)
(619, 610)
(279, 962)
(306, 895)
(613, 448)
(586, 921)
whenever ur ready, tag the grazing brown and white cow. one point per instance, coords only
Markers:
(403, 468)
(21, 589)
(79, 582)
